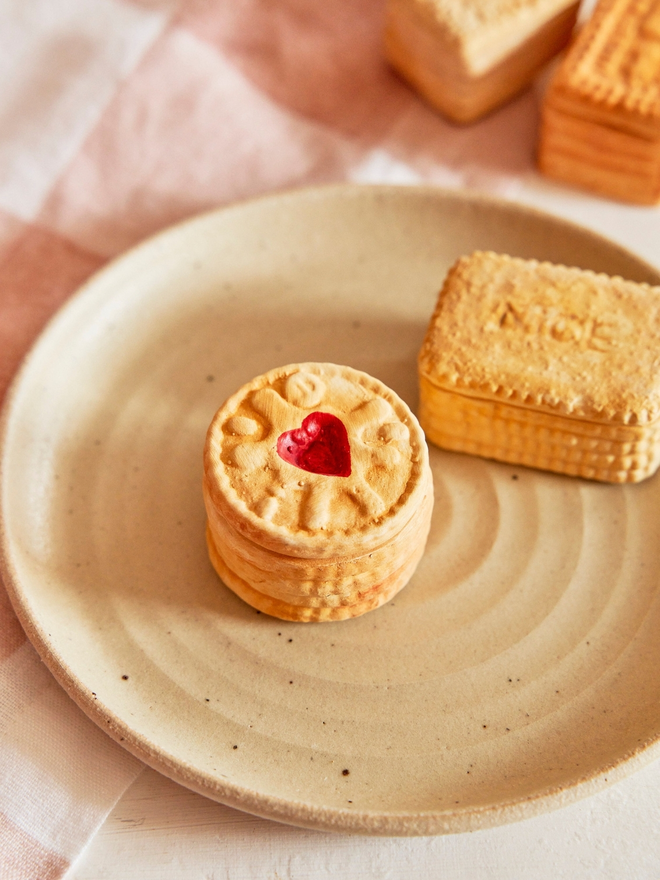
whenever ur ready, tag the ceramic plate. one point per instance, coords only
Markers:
(518, 670)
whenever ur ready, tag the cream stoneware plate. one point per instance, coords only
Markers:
(517, 671)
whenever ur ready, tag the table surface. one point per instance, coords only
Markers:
(160, 830)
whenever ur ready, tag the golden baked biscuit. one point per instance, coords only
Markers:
(543, 365)
(318, 492)
(601, 115)
(468, 58)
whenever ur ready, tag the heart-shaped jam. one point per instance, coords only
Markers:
(320, 445)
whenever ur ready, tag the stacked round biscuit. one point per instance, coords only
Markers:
(318, 492)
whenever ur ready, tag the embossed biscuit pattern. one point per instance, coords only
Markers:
(277, 505)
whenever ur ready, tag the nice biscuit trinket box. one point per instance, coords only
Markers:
(546, 366)
(600, 126)
(318, 492)
(466, 58)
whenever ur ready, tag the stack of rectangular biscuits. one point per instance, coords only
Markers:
(315, 589)
(468, 58)
(546, 366)
(601, 116)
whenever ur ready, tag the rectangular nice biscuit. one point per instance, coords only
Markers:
(468, 58)
(546, 366)
(601, 115)
(318, 492)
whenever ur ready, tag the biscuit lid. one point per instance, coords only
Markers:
(613, 68)
(485, 32)
(316, 460)
(552, 338)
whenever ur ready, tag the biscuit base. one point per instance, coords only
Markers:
(367, 600)
(596, 156)
(314, 580)
(513, 434)
(289, 530)
(433, 64)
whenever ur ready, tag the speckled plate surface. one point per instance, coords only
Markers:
(519, 669)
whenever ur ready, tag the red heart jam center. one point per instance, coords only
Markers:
(320, 445)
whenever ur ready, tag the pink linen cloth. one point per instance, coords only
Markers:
(117, 118)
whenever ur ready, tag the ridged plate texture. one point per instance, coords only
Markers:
(518, 670)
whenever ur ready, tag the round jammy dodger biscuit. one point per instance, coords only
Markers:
(309, 471)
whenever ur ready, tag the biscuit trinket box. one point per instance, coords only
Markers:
(546, 366)
(600, 126)
(318, 492)
(466, 58)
